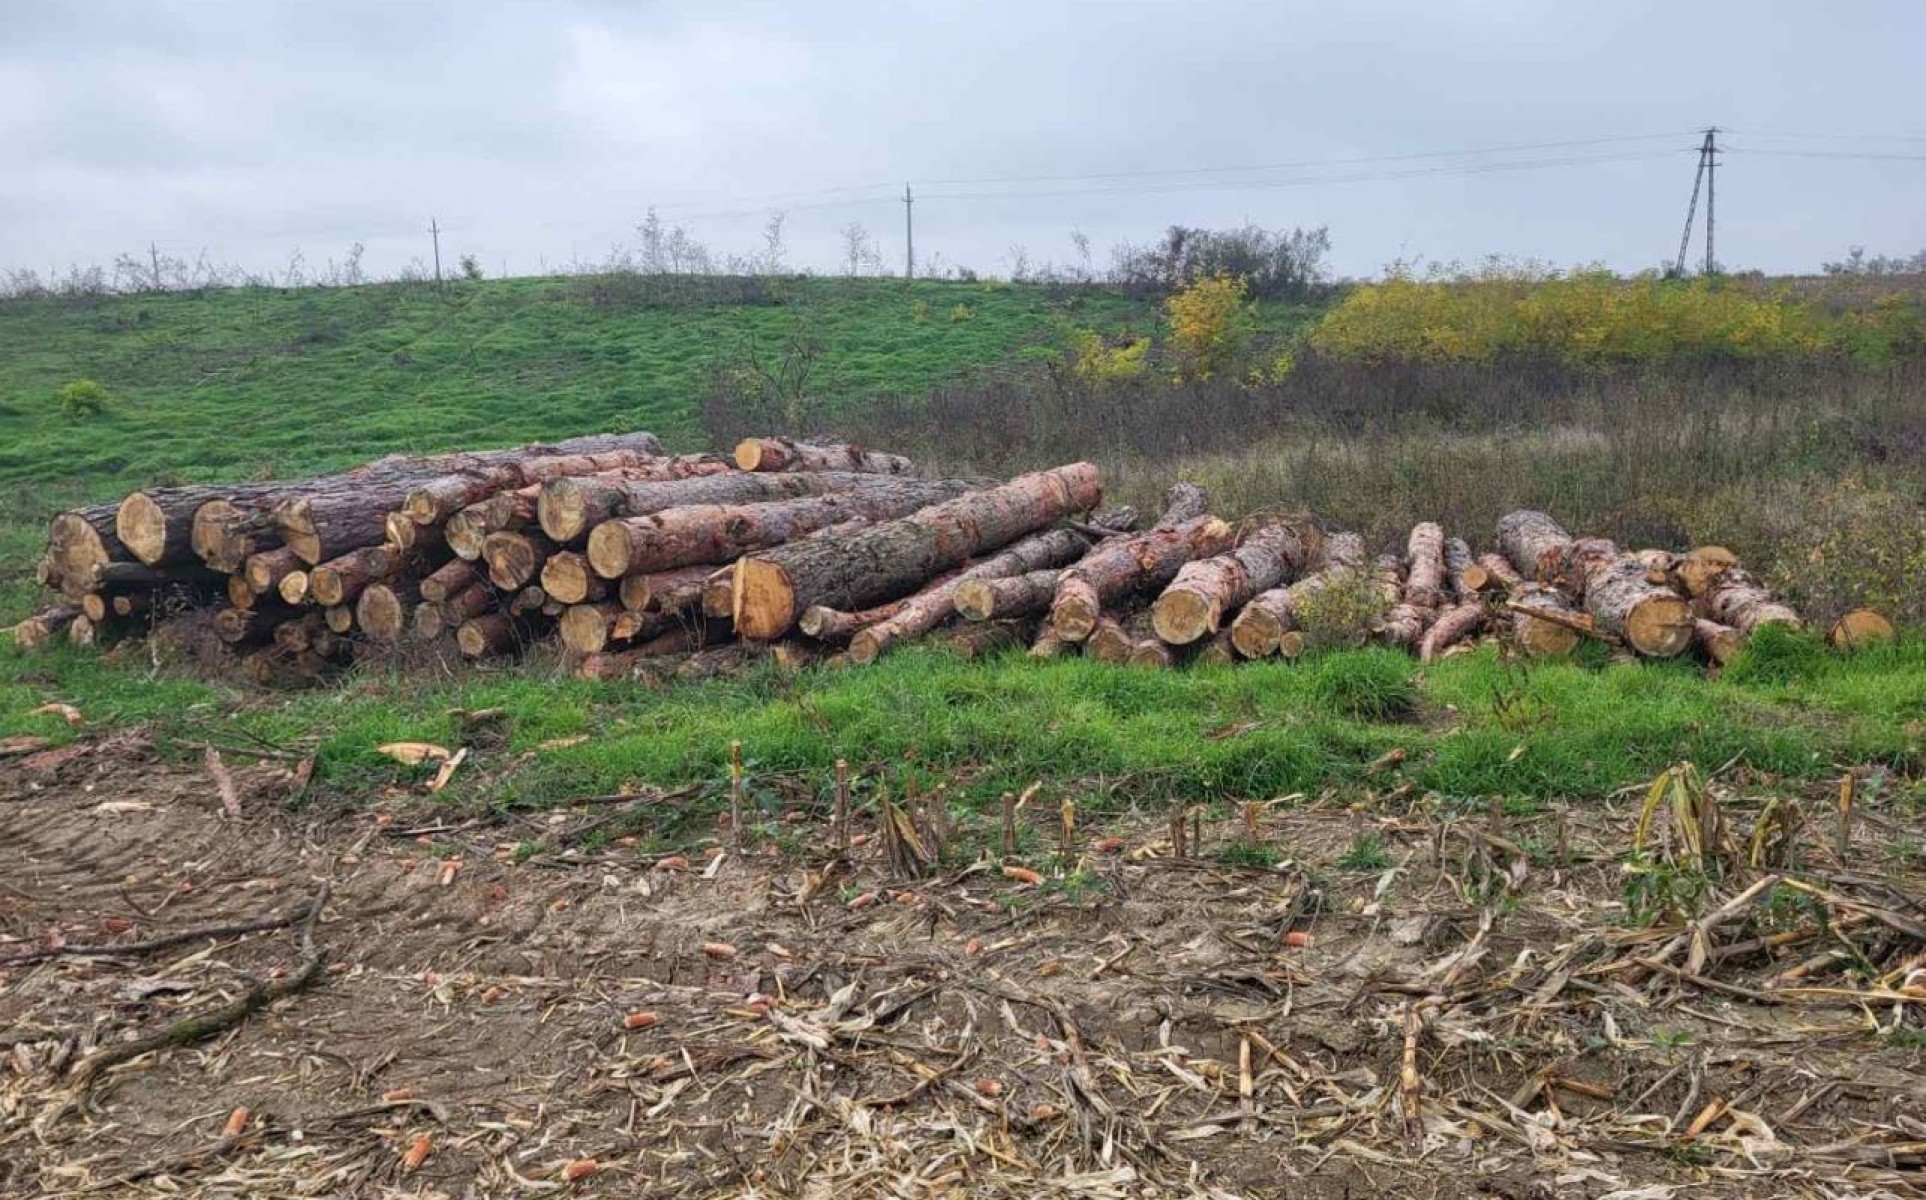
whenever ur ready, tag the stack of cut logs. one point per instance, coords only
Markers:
(632, 558)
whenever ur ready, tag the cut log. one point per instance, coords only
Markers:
(1123, 566)
(247, 626)
(1719, 643)
(669, 591)
(1618, 594)
(1499, 572)
(83, 633)
(340, 618)
(566, 577)
(789, 656)
(529, 601)
(79, 541)
(340, 580)
(265, 571)
(1424, 582)
(1735, 598)
(450, 578)
(298, 634)
(1402, 623)
(1466, 575)
(383, 609)
(1536, 546)
(1025, 595)
(1259, 628)
(467, 604)
(95, 607)
(440, 498)
(133, 603)
(157, 524)
(569, 509)
(716, 533)
(867, 566)
(240, 593)
(1183, 501)
(37, 632)
(587, 628)
(229, 529)
(294, 587)
(935, 604)
(1113, 640)
(632, 626)
(835, 626)
(490, 634)
(1860, 627)
(1217, 652)
(467, 531)
(1049, 645)
(515, 559)
(1543, 622)
(1205, 589)
(719, 594)
(1453, 625)
(429, 622)
(1698, 569)
(787, 454)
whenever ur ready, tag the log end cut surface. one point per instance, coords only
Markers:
(1180, 618)
(762, 599)
(1860, 627)
(142, 528)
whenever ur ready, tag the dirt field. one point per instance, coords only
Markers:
(1149, 1026)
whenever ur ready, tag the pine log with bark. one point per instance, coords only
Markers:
(340, 580)
(1402, 623)
(1205, 589)
(717, 533)
(504, 512)
(448, 579)
(1262, 624)
(382, 611)
(1499, 572)
(469, 603)
(1124, 566)
(78, 541)
(866, 566)
(226, 531)
(1217, 651)
(1535, 545)
(1049, 645)
(936, 603)
(265, 571)
(293, 587)
(1700, 568)
(515, 559)
(569, 509)
(157, 524)
(787, 454)
(1453, 625)
(567, 577)
(428, 622)
(1735, 598)
(984, 638)
(491, 634)
(1424, 582)
(1542, 621)
(1465, 573)
(1113, 639)
(1025, 595)
(1618, 594)
(1718, 643)
(835, 626)
(668, 591)
(440, 498)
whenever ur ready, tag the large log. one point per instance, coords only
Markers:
(787, 454)
(1499, 572)
(227, 530)
(716, 533)
(467, 531)
(866, 566)
(157, 524)
(1535, 545)
(934, 604)
(1617, 591)
(1261, 626)
(1735, 598)
(569, 508)
(78, 541)
(1205, 589)
(340, 580)
(1024, 595)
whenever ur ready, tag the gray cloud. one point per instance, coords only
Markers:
(539, 132)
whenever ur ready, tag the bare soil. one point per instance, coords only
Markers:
(1148, 1026)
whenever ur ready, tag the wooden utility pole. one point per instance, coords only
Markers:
(909, 235)
(434, 231)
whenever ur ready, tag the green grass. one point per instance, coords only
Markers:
(1118, 737)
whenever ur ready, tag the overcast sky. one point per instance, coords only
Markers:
(538, 133)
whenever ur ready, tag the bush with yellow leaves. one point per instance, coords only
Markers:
(1211, 322)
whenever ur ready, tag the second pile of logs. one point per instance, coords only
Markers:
(627, 555)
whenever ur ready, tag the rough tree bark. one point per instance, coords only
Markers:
(1453, 625)
(1499, 572)
(866, 566)
(1735, 598)
(1126, 565)
(1024, 595)
(787, 454)
(1467, 575)
(1699, 568)
(716, 533)
(1424, 582)
(1403, 623)
(1617, 591)
(1205, 589)
(1535, 545)
(157, 524)
(439, 498)
(568, 509)
(1548, 635)
(667, 591)
(936, 603)
(1264, 622)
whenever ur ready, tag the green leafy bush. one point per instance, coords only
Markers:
(82, 398)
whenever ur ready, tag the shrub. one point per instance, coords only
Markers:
(1210, 324)
(962, 313)
(1276, 264)
(1097, 360)
(82, 398)
(1342, 614)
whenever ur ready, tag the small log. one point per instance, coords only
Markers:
(84, 632)
(1025, 595)
(586, 628)
(239, 593)
(1543, 622)
(1205, 589)
(228, 530)
(936, 602)
(1260, 627)
(1217, 651)
(1424, 584)
(340, 580)
(1499, 572)
(298, 633)
(719, 594)
(472, 601)
(95, 608)
(1403, 623)
(1113, 639)
(515, 559)
(867, 566)
(1701, 567)
(129, 604)
(529, 601)
(489, 634)
(567, 578)
(1860, 627)
(1453, 625)
(1535, 545)
(467, 531)
(340, 618)
(382, 611)
(1718, 643)
(295, 587)
(449, 579)
(438, 499)
(983, 638)
(1466, 574)
(157, 524)
(265, 571)
(430, 621)
(1735, 598)
(671, 590)
(1049, 645)
(787, 454)
(1123, 566)
(37, 632)
(836, 626)
(247, 626)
